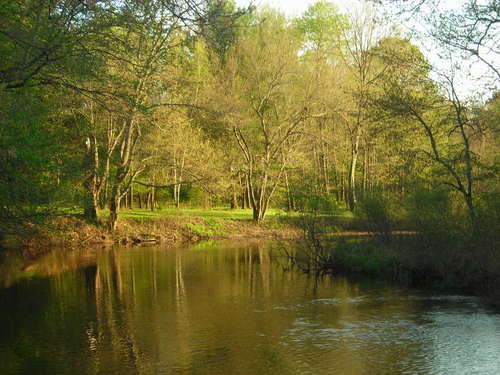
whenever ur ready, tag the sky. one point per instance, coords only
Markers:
(469, 79)
(290, 7)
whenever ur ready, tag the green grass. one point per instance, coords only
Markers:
(275, 218)
(208, 228)
(215, 213)
(200, 230)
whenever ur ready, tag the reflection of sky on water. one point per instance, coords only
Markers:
(454, 336)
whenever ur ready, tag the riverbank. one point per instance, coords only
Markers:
(143, 226)
(463, 266)
(341, 243)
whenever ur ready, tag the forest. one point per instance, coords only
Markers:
(225, 187)
(107, 105)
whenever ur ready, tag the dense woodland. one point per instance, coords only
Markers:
(110, 104)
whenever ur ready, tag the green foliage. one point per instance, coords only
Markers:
(488, 220)
(204, 245)
(195, 212)
(364, 256)
(39, 157)
(322, 26)
(213, 224)
(305, 196)
(221, 31)
(193, 195)
(377, 210)
(42, 42)
(306, 201)
(207, 228)
(243, 102)
(431, 214)
(200, 230)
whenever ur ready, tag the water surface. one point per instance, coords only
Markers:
(228, 309)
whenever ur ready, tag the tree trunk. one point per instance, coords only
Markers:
(324, 164)
(104, 197)
(131, 195)
(128, 143)
(234, 198)
(288, 194)
(344, 184)
(258, 214)
(114, 208)
(326, 179)
(365, 169)
(90, 207)
(152, 198)
(91, 200)
(178, 196)
(351, 183)
(246, 194)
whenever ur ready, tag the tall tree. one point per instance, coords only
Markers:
(322, 29)
(447, 123)
(47, 42)
(148, 39)
(266, 102)
(362, 35)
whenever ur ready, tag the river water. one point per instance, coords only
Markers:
(228, 309)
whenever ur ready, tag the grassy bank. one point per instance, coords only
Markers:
(175, 225)
(428, 244)
(464, 265)
(145, 226)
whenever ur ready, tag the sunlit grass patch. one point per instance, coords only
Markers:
(217, 213)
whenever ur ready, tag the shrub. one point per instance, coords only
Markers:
(376, 210)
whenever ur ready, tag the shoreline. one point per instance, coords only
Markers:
(73, 231)
(406, 261)
(402, 260)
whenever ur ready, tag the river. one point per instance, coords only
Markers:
(226, 308)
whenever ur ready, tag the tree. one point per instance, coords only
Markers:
(322, 29)
(266, 102)
(148, 43)
(39, 156)
(220, 30)
(360, 39)
(471, 29)
(474, 31)
(447, 123)
(48, 42)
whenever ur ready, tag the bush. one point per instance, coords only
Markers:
(488, 218)
(376, 210)
(313, 202)
(439, 225)
(206, 228)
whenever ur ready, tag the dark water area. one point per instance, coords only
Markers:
(228, 309)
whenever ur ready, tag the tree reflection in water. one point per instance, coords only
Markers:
(228, 309)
